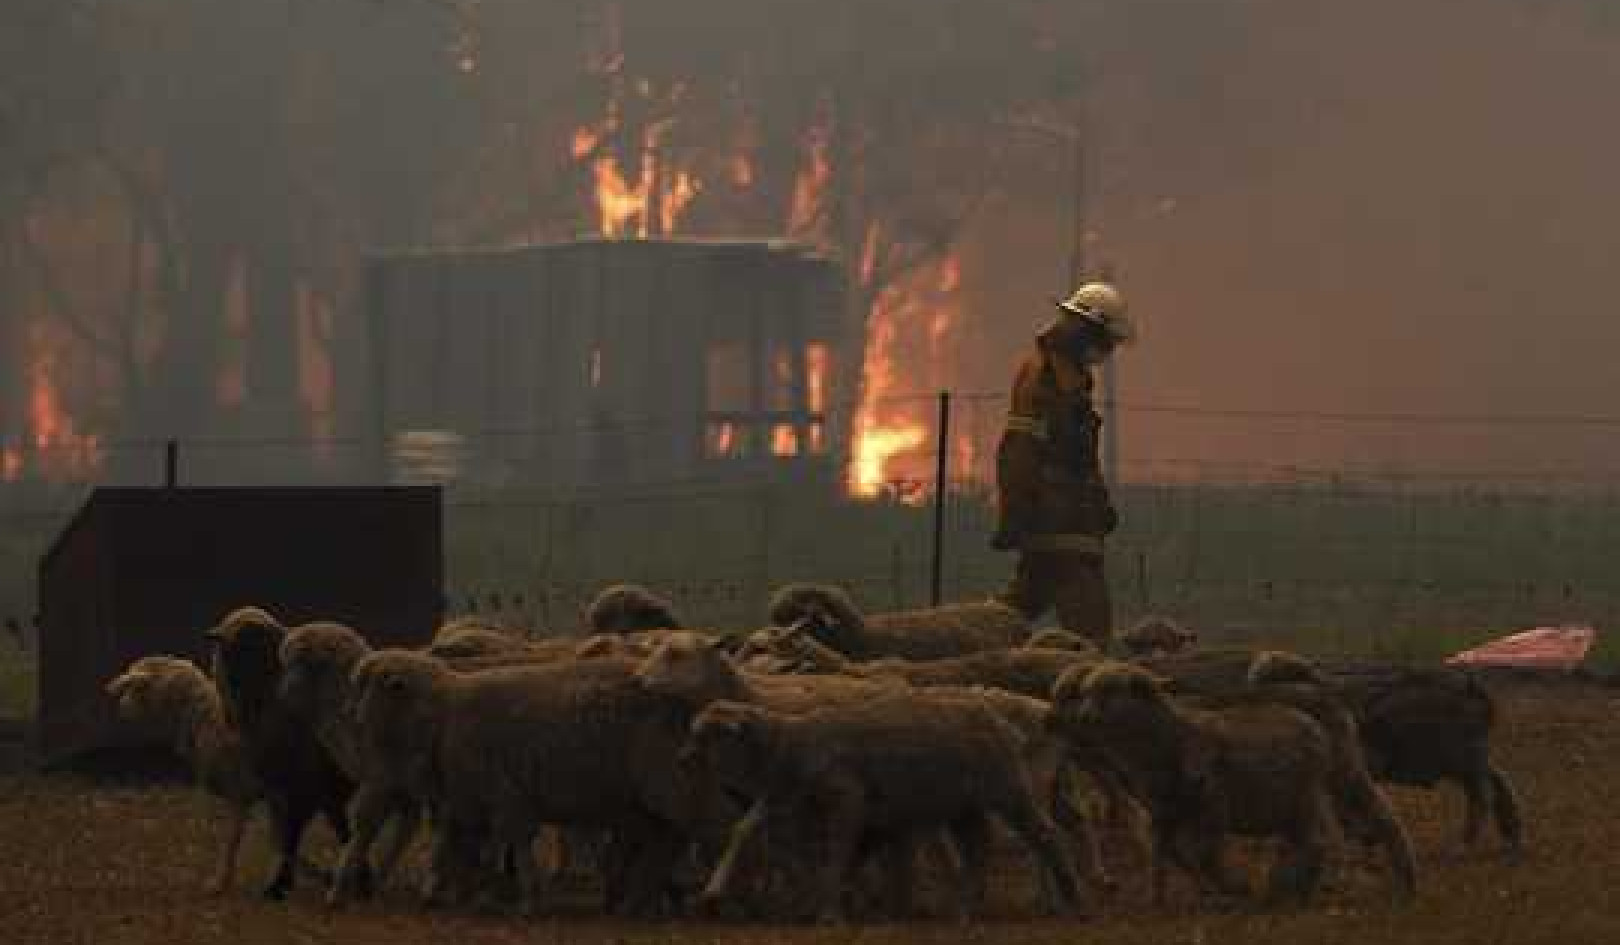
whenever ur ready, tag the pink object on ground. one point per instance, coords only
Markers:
(1560, 648)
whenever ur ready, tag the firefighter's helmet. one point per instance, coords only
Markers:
(1103, 303)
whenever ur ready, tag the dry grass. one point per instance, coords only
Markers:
(82, 864)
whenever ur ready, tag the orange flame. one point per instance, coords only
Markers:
(723, 439)
(11, 464)
(677, 198)
(807, 219)
(61, 451)
(817, 362)
(784, 440)
(890, 431)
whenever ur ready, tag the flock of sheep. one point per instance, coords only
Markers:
(692, 772)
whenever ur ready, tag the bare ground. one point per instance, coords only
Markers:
(119, 865)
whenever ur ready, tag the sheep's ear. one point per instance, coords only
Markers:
(799, 629)
(214, 635)
(118, 684)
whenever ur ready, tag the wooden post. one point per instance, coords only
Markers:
(942, 453)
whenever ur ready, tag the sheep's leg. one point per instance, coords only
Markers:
(1377, 819)
(407, 821)
(1077, 826)
(221, 880)
(654, 862)
(972, 836)
(371, 811)
(1509, 822)
(290, 822)
(1040, 837)
(518, 839)
(742, 835)
(845, 823)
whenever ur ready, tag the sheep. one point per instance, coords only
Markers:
(952, 630)
(905, 762)
(1257, 770)
(1157, 636)
(497, 754)
(1029, 671)
(1422, 727)
(1053, 638)
(172, 700)
(319, 661)
(1418, 727)
(1272, 679)
(693, 669)
(300, 777)
(630, 608)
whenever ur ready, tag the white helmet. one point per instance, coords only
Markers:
(1103, 303)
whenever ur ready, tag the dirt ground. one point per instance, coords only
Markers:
(118, 865)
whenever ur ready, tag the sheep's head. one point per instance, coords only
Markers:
(729, 741)
(1158, 636)
(159, 694)
(629, 608)
(246, 661)
(827, 613)
(1277, 666)
(317, 662)
(397, 696)
(687, 666)
(467, 637)
(1108, 697)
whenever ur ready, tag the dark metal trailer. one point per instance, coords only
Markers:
(145, 571)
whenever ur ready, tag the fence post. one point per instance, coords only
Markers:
(171, 464)
(942, 454)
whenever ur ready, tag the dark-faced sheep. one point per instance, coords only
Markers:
(1260, 770)
(498, 754)
(630, 608)
(300, 777)
(170, 699)
(951, 630)
(910, 761)
(318, 663)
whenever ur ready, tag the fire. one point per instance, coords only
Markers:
(817, 362)
(742, 171)
(784, 440)
(807, 217)
(11, 464)
(892, 425)
(61, 451)
(723, 439)
(679, 196)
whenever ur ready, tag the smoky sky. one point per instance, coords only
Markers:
(1389, 207)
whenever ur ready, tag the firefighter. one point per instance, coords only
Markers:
(1053, 504)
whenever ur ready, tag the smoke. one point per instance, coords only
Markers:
(1387, 206)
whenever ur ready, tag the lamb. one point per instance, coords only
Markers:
(1421, 727)
(1257, 770)
(497, 754)
(172, 700)
(1360, 803)
(1418, 727)
(909, 761)
(952, 630)
(630, 608)
(299, 776)
(319, 661)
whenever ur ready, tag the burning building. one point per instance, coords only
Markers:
(606, 363)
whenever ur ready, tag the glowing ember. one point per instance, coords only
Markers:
(11, 464)
(784, 440)
(723, 439)
(585, 142)
(817, 362)
(677, 198)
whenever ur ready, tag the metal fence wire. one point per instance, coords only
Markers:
(1349, 556)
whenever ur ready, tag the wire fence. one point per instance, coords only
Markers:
(1376, 548)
